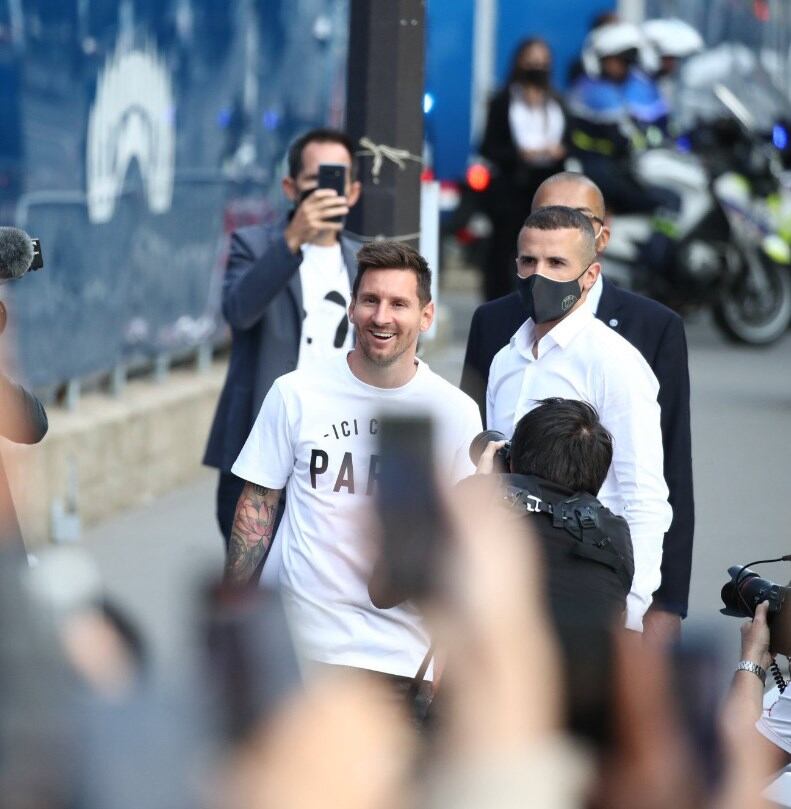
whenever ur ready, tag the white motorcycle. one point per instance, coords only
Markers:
(724, 249)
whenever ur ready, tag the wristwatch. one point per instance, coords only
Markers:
(748, 665)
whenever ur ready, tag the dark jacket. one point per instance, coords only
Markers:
(658, 334)
(262, 302)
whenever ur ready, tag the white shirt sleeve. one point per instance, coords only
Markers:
(267, 457)
(471, 426)
(493, 371)
(631, 413)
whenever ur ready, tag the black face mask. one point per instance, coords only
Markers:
(534, 76)
(545, 300)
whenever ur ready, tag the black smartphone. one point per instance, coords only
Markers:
(414, 524)
(38, 259)
(333, 175)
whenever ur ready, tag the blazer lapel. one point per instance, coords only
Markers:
(609, 307)
(349, 249)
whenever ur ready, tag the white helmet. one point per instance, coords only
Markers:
(610, 40)
(673, 37)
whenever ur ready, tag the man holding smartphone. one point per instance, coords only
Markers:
(285, 295)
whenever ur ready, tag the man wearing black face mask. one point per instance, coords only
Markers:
(524, 141)
(562, 350)
(286, 291)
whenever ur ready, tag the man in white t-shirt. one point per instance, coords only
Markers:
(562, 350)
(315, 438)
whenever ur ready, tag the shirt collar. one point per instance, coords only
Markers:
(560, 335)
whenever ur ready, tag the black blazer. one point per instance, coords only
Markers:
(262, 302)
(658, 334)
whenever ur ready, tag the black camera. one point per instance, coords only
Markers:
(502, 458)
(746, 590)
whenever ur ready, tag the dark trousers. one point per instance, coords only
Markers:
(229, 487)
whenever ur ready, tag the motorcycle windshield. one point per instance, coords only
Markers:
(739, 70)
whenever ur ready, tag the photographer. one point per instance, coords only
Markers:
(744, 709)
(559, 457)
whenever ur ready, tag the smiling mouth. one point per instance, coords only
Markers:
(383, 336)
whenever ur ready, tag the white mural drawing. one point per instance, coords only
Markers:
(132, 117)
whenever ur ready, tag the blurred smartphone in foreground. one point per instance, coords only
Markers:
(252, 661)
(333, 175)
(410, 510)
(700, 681)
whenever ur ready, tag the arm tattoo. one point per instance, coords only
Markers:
(251, 535)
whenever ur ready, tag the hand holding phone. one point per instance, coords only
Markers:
(321, 209)
(333, 176)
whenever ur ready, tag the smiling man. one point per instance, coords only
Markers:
(315, 438)
(562, 350)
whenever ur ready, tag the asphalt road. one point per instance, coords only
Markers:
(153, 558)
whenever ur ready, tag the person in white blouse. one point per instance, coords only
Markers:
(524, 142)
(563, 350)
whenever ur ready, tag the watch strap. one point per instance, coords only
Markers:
(748, 665)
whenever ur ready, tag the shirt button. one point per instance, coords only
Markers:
(613, 322)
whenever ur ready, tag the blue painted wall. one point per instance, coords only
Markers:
(563, 23)
(449, 34)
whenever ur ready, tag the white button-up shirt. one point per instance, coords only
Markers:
(582, 358)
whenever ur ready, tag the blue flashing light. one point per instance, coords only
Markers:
(271, 120)
(684, 144)
(428, 103)
(223, 117)
(779, 136)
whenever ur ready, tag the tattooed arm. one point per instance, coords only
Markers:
(253, 526)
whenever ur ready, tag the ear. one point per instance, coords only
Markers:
(591, 274)
(603, 240)
(355, 189)
(427, 316)
(289, 187)
(351, 311)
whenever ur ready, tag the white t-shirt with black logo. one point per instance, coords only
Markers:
(326, 295)
(316, 432)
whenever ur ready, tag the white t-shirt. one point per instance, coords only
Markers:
(316, 432)
(326, 295)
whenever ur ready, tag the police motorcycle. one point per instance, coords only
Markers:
(723, 249)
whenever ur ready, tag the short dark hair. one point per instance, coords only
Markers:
(561, 217)
(563, 441)
(388, 255)
(320, 135)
